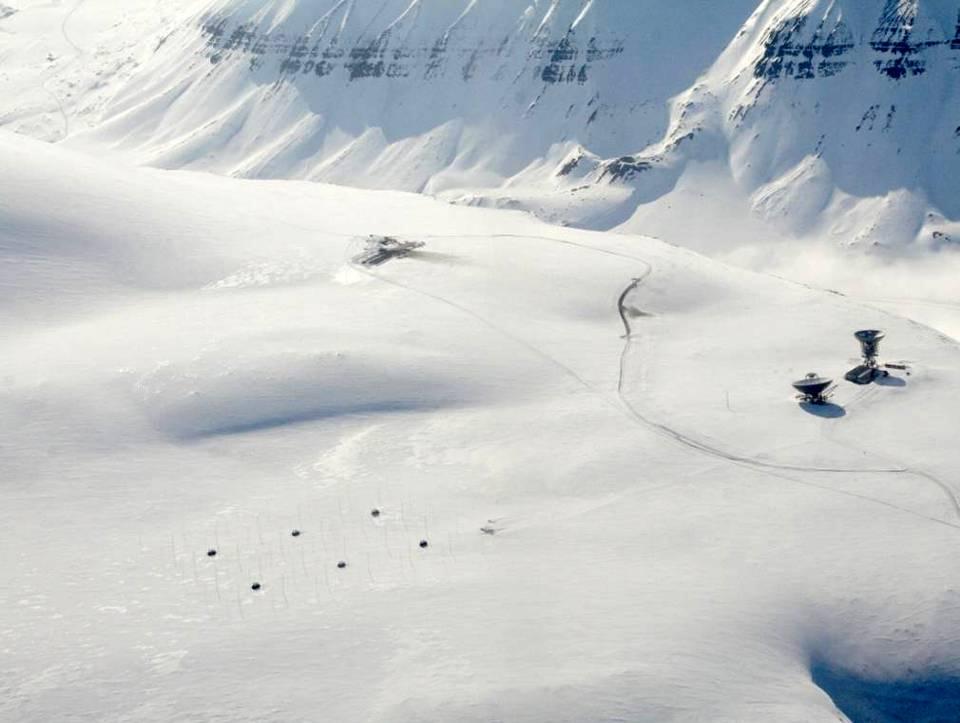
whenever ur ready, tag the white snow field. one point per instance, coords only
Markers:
(555, 447)
(639, 528)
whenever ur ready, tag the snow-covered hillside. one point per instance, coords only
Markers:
(423, 95)
(644, 527)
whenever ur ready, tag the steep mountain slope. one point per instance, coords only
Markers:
(817, 119)
(420, 95)
(830, 119)
(639, 528)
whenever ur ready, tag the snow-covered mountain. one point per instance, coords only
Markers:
(832, 120)
(281, 450)
(423, 95)
(835, 119)
(824, 119)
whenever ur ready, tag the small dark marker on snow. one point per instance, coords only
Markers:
(341, 564)
(295, 533)
(255, 586)
(211, 553)
(374, 512)
(423, 543)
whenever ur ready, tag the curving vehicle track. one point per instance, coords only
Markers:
(763, 465)
(77, 55)
(629, 410)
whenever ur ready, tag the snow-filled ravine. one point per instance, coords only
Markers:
(564, 470)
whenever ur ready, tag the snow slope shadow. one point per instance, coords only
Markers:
(211, 426)
(862, 700)
(209, 398)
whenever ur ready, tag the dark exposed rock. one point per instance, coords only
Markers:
(367, 61)
(894, 40)
(567, 168)
(555, 61)
(675, 143)
(899, 49)
(868, 119)
(624, 168)
(564, 51)
(787, 55)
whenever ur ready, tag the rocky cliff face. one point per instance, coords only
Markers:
(417, 95)
(834, 118)
(321, 52)
(903, 42)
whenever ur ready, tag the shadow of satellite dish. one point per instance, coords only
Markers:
(826, 410)
(890, 381)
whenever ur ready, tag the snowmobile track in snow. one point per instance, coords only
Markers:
(763, 465)
(625, 407)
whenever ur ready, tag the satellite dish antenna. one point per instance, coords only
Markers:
(870, 343)
(814, 389)
(869, 369)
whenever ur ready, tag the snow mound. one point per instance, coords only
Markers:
(233, 393)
